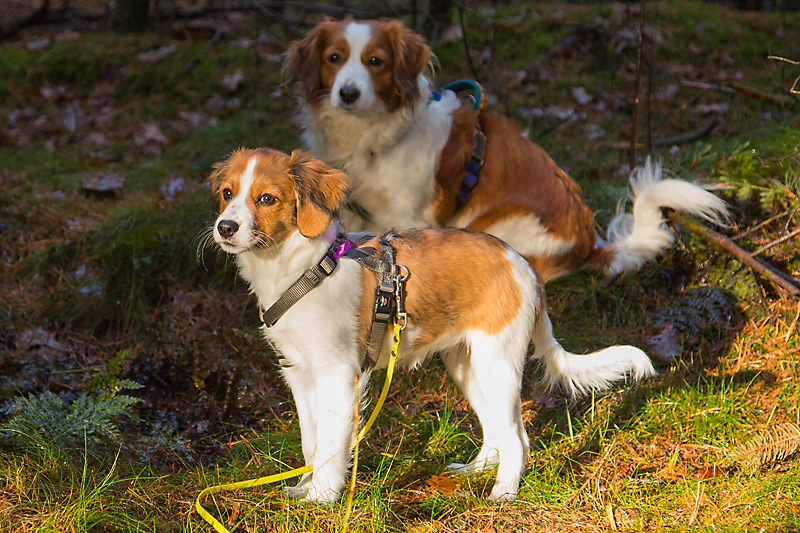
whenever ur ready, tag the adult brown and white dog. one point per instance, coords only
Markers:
(469, 297)
(367, 110)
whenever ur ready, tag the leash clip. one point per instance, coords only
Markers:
(401, 316)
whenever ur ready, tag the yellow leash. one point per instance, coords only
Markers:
(217, 525)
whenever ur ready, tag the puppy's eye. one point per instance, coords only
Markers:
(375, 61)
(267, 199)
(227, 194)
(334, 59)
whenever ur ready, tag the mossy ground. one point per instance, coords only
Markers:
(86, 276)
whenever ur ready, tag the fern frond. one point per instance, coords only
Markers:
(768, 446)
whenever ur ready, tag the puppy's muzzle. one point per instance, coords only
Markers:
(227, 228)
(349, 94)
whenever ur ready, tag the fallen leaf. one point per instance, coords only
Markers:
(155, 55)
(581, 95)
(710, 472)
(173, 187)
(232, 81)
(444, 485)
(38, 44)
(103, 183)
(707, 109)
(151, 133)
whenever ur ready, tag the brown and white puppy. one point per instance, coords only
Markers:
(470, 297)
(367, 110)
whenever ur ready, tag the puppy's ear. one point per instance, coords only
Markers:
(218, 173)
(319, 190)
(411, 56)
(304, 58)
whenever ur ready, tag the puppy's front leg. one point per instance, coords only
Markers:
(336, 399)
(304, 392)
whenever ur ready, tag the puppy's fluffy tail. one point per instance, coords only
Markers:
(579, 374)
(634, 239)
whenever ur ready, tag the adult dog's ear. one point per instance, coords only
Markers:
(319, 190)
(411, 56)
(304, 58)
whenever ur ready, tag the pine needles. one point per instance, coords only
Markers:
(769, 446)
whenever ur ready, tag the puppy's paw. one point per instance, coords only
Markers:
(322, 495)
(300, 490)
(505, 494)
(473, 467)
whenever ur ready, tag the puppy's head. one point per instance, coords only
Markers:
(360, 65)
(264, 196)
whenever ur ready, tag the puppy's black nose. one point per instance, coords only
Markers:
(227, 228)
(349, 94)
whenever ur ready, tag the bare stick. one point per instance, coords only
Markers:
(666, 141)
(794, 89)
(776, 242)
(247, 5)
(708, 86)
(778, 100)
(461, 9)
(636, 88)
(774, 275)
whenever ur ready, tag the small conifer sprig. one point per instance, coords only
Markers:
(768, 446)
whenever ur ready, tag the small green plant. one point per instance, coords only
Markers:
(49, 418)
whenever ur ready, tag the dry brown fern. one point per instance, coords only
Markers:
(768, 446)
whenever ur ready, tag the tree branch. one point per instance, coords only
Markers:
(781, 279)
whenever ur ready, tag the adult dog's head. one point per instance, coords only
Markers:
(360, 65)
(265, 196)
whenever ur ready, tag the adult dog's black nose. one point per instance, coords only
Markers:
(349, 94)
(227, 228)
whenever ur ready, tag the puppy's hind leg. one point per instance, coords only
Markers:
(489, 372)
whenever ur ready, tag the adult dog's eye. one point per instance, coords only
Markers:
(267, 199)
(227, 194)
(334, 59)
(375, 61)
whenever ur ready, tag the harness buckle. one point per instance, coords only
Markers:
(383, 307)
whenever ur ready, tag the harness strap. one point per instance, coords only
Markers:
(382, 312)
(474, 166)
(310, 279)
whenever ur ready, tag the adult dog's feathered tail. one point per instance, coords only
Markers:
(579, 374)
(638, 237)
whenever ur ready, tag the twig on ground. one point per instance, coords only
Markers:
(776, 242)
(576, 35)
(794, 89)
(248, 5)
(206, 47)
(777, 99)
(771, 273)
(708, 86)
(666, 141)
(280, 19)
(760, 225)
